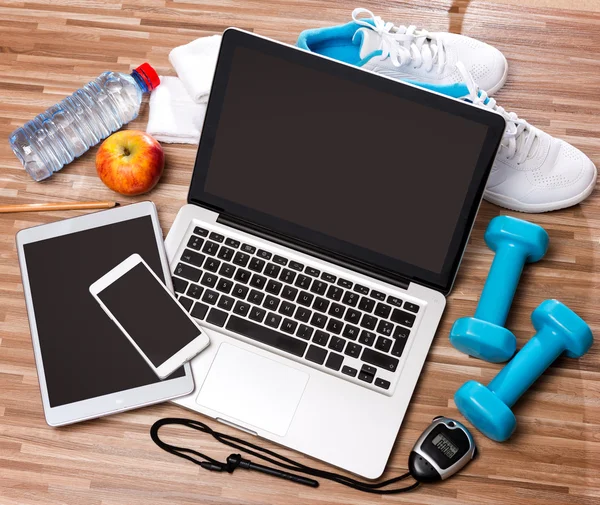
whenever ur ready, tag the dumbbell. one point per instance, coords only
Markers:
(559, 330)
(515, 242)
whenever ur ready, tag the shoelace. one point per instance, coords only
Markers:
(519, 136)
(404, 44)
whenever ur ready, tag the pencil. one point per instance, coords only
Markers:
(37, 207)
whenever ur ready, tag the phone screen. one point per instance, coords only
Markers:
(142, 306)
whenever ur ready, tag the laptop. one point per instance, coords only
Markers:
(327, 215)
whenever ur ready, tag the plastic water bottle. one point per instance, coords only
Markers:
(68, 129)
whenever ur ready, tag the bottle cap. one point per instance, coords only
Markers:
(149, 75)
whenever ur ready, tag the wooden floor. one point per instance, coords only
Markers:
(49, 48)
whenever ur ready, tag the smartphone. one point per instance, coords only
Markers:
(149, 315)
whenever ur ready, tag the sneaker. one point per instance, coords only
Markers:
(406, 53)
(533, 172)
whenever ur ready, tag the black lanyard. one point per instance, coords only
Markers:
(236, 461)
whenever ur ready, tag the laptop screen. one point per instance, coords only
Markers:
(358, 169)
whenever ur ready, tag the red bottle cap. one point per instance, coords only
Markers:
(149, 75)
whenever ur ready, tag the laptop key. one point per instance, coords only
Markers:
(217, 237)
(366, 377)
(328, 277)
(232, 243)
(303, 314)
(225, 253)
(217, 317)
(210, 297)
(368, 322)
(257, 314)
(348, 370)
(402, 317)
(303, 281)
(227, 270)
(383, 344)
(394, 300)
(321, 338)
(368, 369)
(187, 272)
(345, 284)
(256, 265)
(379, 359)
(294, 265)
(312, 271)
(210, 248)
(335, 326)
(401, 332)
(199, 311)
(195, 243)
(304, 332)
(367, 338)
(411, 306)
(256, 297)
(321, 304)
(383, 310)
(225, 302)
(378, 295)
(385, 328)
(350, 332)
(258, 281)
(366, 304)
(209, 280)
(350, 298)
(316, 354)
(241, 308)
(280, 260)
(334, 361)
(272, 320)
(287, 276)
(242, 276)
(240, 291)
(261, 253)
(241, 259)
(353, 350)
(335, 293)
(337, 344)
(271, 303)
(398, 347)
(212, 265)
(272, 270)
(319, 287)
(195, 292)
(224, 285)
(336, 310)
(305, 298)
(287, 309)
(179, 285)
(318, 320)
(186, 303)
(352, 316)
(247, 248)
(266, 336)
(193, 257)
(273, 287)
(361, 289)
(382, 383)
(289, 293)
(200, 231)
(289, 326)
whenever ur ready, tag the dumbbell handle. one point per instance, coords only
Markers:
(527, 365)
(501, 284)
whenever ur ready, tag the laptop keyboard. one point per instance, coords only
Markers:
(320, 319)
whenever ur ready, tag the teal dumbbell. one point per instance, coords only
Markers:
(515, 242)
(559, 330)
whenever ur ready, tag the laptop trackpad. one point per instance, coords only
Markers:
(253, 389)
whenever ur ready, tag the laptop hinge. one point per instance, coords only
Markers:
(312, 250)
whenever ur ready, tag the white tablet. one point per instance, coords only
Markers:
(86, 368)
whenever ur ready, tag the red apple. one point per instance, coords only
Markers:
(130, 162)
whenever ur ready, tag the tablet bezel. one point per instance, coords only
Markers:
(113, 402)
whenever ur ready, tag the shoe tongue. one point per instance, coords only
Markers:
(368, 40)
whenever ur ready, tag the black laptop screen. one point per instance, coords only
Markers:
(353, 168)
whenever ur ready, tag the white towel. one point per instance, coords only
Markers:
(174, 117)
(195, 65)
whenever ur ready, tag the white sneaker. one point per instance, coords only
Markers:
(406, 53)
(533, 172)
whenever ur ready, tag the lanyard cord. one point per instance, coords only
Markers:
(235, 460)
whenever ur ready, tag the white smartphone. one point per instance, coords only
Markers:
(149, 315)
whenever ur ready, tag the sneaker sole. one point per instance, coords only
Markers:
(538, 208)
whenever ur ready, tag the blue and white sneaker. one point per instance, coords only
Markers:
(407, 53)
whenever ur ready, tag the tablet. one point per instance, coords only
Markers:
(86, 367)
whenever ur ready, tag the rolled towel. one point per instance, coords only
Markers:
(174, 117)
(195, 65)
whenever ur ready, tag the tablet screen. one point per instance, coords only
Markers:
(85, 355)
